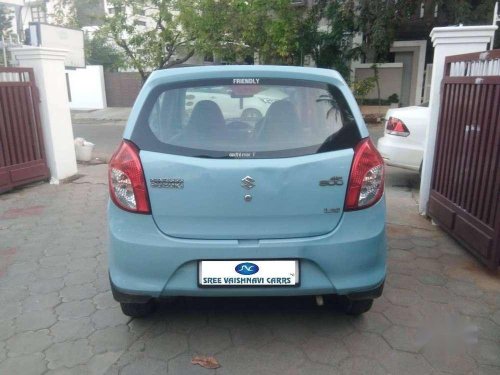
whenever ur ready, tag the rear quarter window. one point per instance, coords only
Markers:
(223, 119)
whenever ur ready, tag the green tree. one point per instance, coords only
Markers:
(466, 12)
(77, 13)
(379, 21)
(326, 34)
(235, 29)
(5, 19)
(271, 29)
(5, 25)
(99, 51)
(146, 48)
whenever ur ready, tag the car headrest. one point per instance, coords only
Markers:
(206, 119)
(281, 118)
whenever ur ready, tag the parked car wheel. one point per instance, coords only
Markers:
(137, 310)
(356, 307)
(251, 114)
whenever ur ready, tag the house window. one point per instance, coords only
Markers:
(422, 9)
(139, 23)
(436, 9)
(38, 13)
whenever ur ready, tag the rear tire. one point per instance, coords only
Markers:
(137, 310)
(251, 114)
(355, 307)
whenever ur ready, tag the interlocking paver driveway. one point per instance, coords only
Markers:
(440, 312)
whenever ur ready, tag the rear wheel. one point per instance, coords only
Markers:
(355, 307)
(137, 310)
(251, 114)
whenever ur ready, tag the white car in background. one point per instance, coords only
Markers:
(403, 142)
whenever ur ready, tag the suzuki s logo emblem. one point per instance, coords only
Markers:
(248, 182)
(247, 268)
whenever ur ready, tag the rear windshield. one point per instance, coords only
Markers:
(246, 118)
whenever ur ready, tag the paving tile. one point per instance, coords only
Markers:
(291, 329)
(6, 329)
(68, 354)
(33, 364)
(487, 328)
(166, 346)
(245, 360)
(361, 366)
(28, 342)
(46, 286)
(70, 330)
(371, 322)
(496, 317)
(111, 339)
(104, 300)
(401, 244)
(402, 297)
(10, 310)
(403, 282)
(486, 352)
(251, 335)
(368, 345)
(487, 370)
(74, 309)
(325, 350)
(404, 316)
(397, 362)
(464, 289)
(282, 356)
(109, 317)
(431, 278)
(35, 320)
(145, 366)
(40, 302)
(100, 363)
(332, 325)
(181, 365)
(449, 357)
(312, 368)
(77, 292)
(209, 340)
(424, 242)
(405, 338)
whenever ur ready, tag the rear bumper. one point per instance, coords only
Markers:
(397, 153)
(144, 263)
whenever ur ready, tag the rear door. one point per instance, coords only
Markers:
(211, 177)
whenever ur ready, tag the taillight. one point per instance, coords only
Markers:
(366, 181)
(127, 186)
(395, 126)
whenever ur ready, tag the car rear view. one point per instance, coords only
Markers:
(207, 200)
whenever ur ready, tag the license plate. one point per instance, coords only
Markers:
(213, 273)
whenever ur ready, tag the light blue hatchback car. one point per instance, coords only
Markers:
(246, 181)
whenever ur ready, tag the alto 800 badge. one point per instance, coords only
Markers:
(167, 183)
